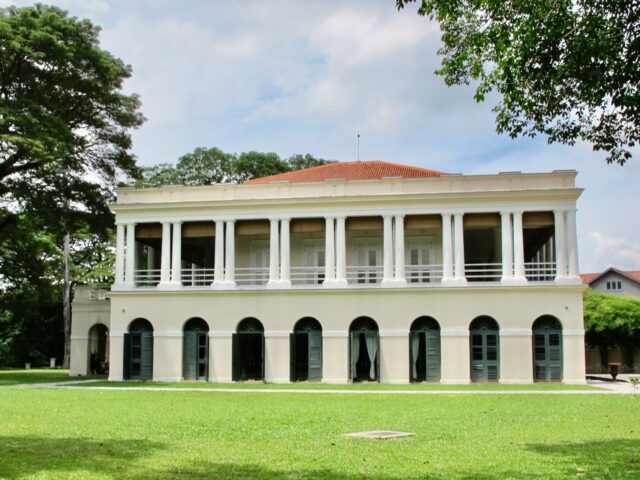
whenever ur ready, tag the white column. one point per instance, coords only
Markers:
(165, 258)
(399, 245)
(131, 255)
(507, 248)
(387, 253)
(274, 252)
(285, 252)
(230, 253)
(119, 254)
(329, 249)
(572, 246)
(447, 268)
(176, 255)
(341, 252)
(218, 275)
(561, 246)
(458, 238)
(518, 249)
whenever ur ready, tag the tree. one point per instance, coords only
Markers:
(567, 69)
(612, 320)
(207, 166)
(64, 128)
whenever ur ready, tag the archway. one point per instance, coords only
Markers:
(424, 346)
(365, 350)
(485, 350)
(138, 350)
(547, 349)
(306, 350)
(248, 350)
(98, 350)
(195, 350)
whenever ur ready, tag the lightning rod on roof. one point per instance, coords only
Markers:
(358, 148)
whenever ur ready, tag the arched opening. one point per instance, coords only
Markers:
(424, 346)
(306, 350)
(138, 351)
(98, 350)
(365, 350)
(248, 351)
(547, 349)
(485, 350)
(195, 350)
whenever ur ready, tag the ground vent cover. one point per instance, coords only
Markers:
(379, 434)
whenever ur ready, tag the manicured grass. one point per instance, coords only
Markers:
(36, 375)
(78, 434)
(355, 386)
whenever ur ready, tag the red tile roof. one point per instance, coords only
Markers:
(369, 170)
(588, 278)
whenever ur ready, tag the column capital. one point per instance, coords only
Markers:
(448, 214)
(340, 217)
(177, 222)
(231, 221)
(285, 219)
(506, 212)
(559, 211)
(458, 214)
(517, 212)
(399, 215)
(166, 222)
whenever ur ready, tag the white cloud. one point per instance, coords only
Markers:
(612, 251)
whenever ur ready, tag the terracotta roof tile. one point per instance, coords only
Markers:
(369, 170)
(588, 278)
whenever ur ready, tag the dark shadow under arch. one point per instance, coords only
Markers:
(248, 350)
(484, 346)
(424, 350)
(195, 349)
(305, 351)
(364, 350)
(547, 349)
(98, 354)
(138, 350)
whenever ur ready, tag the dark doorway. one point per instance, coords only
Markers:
(306, 351)
(248, 351)
(424, 348)
(485, 350)
(195, 350)
(138, 351)
(364, 350)
(98, 350)
(547, 349)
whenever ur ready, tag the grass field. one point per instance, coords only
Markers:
(36, 375)
(49, 433)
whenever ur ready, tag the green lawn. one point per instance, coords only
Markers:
(36, 375)
(56, 433)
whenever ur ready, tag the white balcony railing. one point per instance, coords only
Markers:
(483, 272)
(540, 271)
(356, 275)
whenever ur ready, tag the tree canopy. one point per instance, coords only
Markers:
(568, 69)
(207, 166)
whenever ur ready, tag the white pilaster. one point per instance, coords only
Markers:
(274, 254)
(572, 246)
(458, 239)
(218, 266)
(518, 250)
(399, 246)
(330, 249)
(447, 264)
(176, 255)
(341, 252)
(120, 228)
(285, 252)
(165, 256)
(387, 253)
(507, 248)
(131, 255)
(561, 247)
(230, 253)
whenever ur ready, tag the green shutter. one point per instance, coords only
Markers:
(202, 353)
(126, 366)
(293, 377)
(555, 356)
(146, 363)
(432, 344)
(547, 351)
(485, 355)
(353, 337)
(315, 356)
(235, 357)
(189, 355)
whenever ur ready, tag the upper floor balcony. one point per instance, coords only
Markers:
(509, 247)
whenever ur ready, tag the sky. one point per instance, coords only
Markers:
(291, 77)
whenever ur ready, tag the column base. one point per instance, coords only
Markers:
(115, 378)
(523, 381)
(220, 285)
(455, 381)
(394, 282)
(166, 286)
(568, 281)
(454, 282)
(273, 284)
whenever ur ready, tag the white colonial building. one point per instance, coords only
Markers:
(354, 271)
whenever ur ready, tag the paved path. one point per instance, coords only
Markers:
(604, 391)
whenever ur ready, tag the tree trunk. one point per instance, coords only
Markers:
(66, 304)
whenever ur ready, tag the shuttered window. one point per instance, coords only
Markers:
(424, 347)
(306, 351)
(485, 350)
(547, 349)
